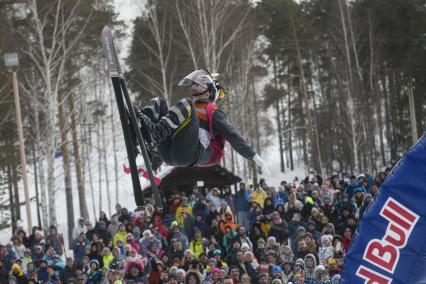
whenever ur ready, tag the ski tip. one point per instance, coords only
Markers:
(106, 29)
(110, 54)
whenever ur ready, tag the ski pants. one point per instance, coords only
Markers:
(183, 148)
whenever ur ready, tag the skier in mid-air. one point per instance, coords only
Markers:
(194, 130)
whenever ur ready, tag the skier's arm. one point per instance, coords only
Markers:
(224, 127)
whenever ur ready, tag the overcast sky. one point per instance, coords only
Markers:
(128, 10)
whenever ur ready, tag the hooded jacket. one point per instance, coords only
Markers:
(120, 235)
(310, 272)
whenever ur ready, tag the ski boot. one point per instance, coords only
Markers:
(153, 154)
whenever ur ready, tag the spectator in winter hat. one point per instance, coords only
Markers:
(117, 261)
(328, 229)
(215, 275)
(271, 243)
(311, 228)
(287, 272)
(347, 238)
(311, 243)
(259, 196)
(177, 250)
(322, 274)
(182, 208)
(285, 253)
(94, 275)
(102, 231)
(211, 265)
(198, 244)
(246, 265)
(268, 206)
(249, 258)
(17, 272)
(261, 248)
(120, 235)
(178, 235)
(300, 232)
(298, 270)
(368, 199)
(326, 250)
(329, 209)
(42, 274)
(310, 267)
(301, 249)
(228, 237)
(132, 242)
(228, 223)
(135, 272)
(279, 228)
(114, 225)
(106, 257)
(55, 239)
(244, 238)
(276, 272)
(295, 223)
(95, 254)
(245, 247)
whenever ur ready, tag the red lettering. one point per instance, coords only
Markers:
(398, 232)
(402, 211)
(383, 256)
(372, 277)
(395, 219)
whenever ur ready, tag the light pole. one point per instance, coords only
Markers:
(11, 62)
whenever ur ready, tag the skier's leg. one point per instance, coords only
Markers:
(155, 109)
(157, 132)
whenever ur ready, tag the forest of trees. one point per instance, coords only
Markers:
(327, 80)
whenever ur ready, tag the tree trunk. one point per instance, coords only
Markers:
(316, 162)
(76, 146)
(16, 191)
(98, 145)
(114, 146)
(290, 144)
(285, 147)
(11, 199)
(36, 185)
(43, 199)
(104, 154)
(42, 192)
(256, 130)
(277, 109)
(256, 119)
(66, 164)
(89, 169)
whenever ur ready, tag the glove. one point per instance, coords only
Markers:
(258, 160)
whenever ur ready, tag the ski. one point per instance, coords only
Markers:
(128, 120)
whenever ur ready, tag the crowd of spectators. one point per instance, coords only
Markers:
(298, 232)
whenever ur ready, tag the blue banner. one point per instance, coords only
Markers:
(390, 245)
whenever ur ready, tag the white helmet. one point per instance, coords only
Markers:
(206, 80)
(200, 77)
